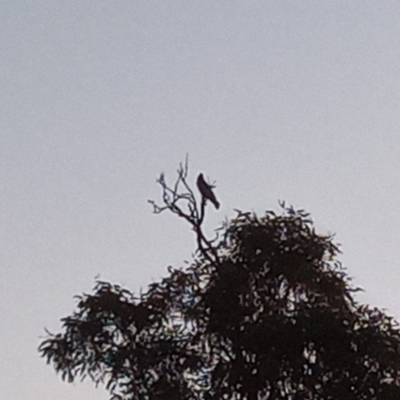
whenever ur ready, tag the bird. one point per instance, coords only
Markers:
(206, 191)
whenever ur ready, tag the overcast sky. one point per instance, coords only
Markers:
(289, 100)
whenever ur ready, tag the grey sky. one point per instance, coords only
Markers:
(297, 101)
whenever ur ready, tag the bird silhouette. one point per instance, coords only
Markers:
(206, 191)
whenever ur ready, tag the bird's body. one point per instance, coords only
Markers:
(206, 191)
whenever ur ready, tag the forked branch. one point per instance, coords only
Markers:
(180, 200)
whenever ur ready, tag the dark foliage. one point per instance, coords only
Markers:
(265, 312)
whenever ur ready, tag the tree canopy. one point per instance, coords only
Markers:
(265, 311)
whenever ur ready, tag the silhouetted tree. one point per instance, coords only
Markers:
(265, 311)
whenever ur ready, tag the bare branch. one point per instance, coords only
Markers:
(180, 200)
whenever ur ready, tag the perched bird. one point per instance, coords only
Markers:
(206, 191)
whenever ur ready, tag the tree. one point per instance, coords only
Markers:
(265, 311)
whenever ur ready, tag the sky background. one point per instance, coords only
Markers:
(274, 100)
